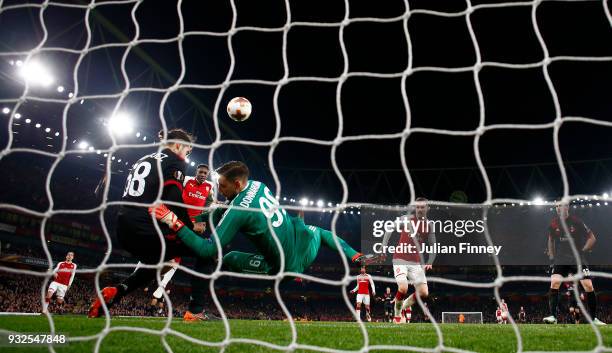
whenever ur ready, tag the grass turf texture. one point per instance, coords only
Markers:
(340, 335)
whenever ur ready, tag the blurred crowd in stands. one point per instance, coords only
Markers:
(22, 293)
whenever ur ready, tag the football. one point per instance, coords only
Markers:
(239, 109)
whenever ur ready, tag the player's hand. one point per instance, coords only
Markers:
(352, 292)
(427, 267)
(199, 227)
(164, 215)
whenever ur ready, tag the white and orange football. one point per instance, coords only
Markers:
(239, 109)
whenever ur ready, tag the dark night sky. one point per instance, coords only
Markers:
(369, 105)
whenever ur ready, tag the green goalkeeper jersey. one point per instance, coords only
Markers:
(291, 232)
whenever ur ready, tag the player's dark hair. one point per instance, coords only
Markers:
(234, 170)
(418, 199)
(203, 166)
(177, 134)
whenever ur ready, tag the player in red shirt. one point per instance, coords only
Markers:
(498, 315)
(63, 275)
(409, 266)
(364, 281)
(197, 192)
(563, 261)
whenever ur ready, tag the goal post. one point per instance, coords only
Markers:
(462, 317)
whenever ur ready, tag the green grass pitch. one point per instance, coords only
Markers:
(338, 335)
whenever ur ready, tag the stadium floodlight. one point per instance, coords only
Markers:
(329, 204)
(187, 160)
(192, 164)
(320, 203)
(538, 201)
(284, 199)
(91, 148)
(83, 145)
(70, 95)
(304, 201)
(38, 125)
(47, 130)
(36, 73)
(17, 116)
(57, 133)
(120, 124)
(113, 158)
(605, 195)
(18, 63)
(138, 134)
(6, 110)
(144, 138)
(60, 89)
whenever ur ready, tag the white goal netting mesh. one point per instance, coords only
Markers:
(65, 151)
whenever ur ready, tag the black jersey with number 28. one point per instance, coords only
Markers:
(143, 182)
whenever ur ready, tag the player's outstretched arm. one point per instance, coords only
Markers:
(227, 228)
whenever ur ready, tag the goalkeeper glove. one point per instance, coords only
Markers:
(164, 215)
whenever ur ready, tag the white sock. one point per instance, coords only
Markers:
(45, 304)
(408, 302)
(359, 313)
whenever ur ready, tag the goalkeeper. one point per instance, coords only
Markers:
(300, 243)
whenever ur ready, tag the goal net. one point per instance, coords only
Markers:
(458, 317)
(81, 77)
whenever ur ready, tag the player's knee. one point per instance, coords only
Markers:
(60, 300)
(402, 287)
(555, 281)
(587, 284)
(358, 306)
(423, 291)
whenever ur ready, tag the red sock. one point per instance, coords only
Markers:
(400, 296)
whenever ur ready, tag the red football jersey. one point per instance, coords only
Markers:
(498, 313)
(195, 194)
(406, 239)
(363, 282)
(65, 272)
